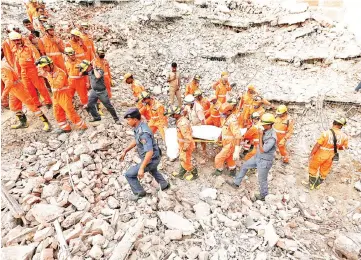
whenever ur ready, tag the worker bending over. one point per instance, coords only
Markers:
(283, 127)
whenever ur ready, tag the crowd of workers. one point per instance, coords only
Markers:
(39, 68)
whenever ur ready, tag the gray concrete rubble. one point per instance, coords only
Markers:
(71, 188)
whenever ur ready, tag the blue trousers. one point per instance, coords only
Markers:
(263, 168)
(132, 176)
(104, 98)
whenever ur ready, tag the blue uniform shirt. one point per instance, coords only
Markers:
(269, 145)
(145, 141)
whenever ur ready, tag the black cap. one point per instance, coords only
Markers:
(132, 113)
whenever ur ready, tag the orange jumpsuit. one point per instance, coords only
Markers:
(245, 104)
(252, 137)
(322, 159)
(53, 48)
(8, 49)
(185, 142)
(63, 103)
(214, 115)
(104, 65)
(18, 94)
(157, 119)
(5, 101)
(137, 88)
(230, 135)
(191, 87)
(221, 91)
(260, 110)
(283, 127)
(31, 10)
(77, 83)
(205, 104)
(90, 53)
(79, 48)
(25, 58)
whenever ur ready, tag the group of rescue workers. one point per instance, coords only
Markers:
(39, 63)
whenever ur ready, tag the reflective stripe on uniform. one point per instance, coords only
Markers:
(326, 149)
(183, 140)
(221, 95)
(17, 82)
(56, 90)
(228, 137)
(75, 77)
(106, 74)
(215, 116)
(79, 55)
(279, 131)
(53, 53)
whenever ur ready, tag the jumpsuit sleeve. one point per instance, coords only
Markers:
(61, 45)
(186, 131)
(147, 142)
(187, 90)
(41, 47)
(268, 145)
(217, 91)
(289, 129)
(321, 140)
(214, 86)
(8, 80)
(228, 87)
(59, 81)
(36, 53)
(235, 130)
(344, 144)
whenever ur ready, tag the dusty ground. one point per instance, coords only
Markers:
(145, 39)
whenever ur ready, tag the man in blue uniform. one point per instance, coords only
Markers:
(148, 151)
(263, 160)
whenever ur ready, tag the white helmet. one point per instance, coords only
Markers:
(189, 99)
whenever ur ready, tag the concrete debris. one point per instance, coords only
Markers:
(287, 244)
(96, 252)
(348, 245)
(173, 221)
(202, 210)
(173, 234)
(79, 202)
(193, 252)
(208, 193)
(44, 233)
(17, 252)
(44, 213)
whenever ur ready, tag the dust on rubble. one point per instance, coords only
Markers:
(292, 55)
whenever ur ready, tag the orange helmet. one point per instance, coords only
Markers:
(226, 107)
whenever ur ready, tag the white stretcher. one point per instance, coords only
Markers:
(202, 133)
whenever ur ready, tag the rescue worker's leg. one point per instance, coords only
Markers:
(221, 157)
(24, 97)
(325, 169)
(31, 89)
(60, 117)
(231, 163)
(283, 150)
(103, 96)
(66, 103)
(250, 154)
(82, 90)
(132, 177)
(263, 168)
(152, 168)
(251, 163)
(171, 95)
(179, 98)
(5, 101)
(313, 168)
(91, 107)
(39, 83)
(16, 106)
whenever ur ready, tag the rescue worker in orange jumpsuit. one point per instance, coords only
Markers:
(33, 35)
(40, 23)
(88, 42)
(137, 89)
(186, 144)
(192, 86)
(231, 139)
(31, 9)
(222, 87)
(52, 46)
(251, 137)
(257, 105)
(77, 83)
(323, 153)
(214, 117)
(151, 106)
(77, 44)
(104, 65)
(283, 127)
(25, 57)
(195, 114)
(246, 104)
(18, 95)
(5, 100)
(8, 46)
(63, 103)
(198, 95)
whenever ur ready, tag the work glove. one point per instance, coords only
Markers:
(236, 153)
(185, 148)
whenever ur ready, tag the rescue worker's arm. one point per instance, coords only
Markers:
(59, 81)
(98, 72)
(8, 80)
(187, 90)
(147, 142)
(41, 47)
(60, 44)
(268, 145)
(124, 152)
(214, 86)
(315, 149)
(234, 127)
(344, 145)
(289, 129)
(228, 87)
(36, 54)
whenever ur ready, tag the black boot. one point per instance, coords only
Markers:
(217, 172)
(312, 182)
(233, 172)
(46, 122)
(192, 175)
(181, 173)
(318, 183)
(62, 131)
(23, 122)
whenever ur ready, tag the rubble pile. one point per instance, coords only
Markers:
(65, 197)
